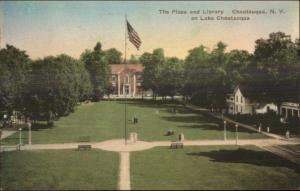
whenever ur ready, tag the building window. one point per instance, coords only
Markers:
(241, 109)
(138, 78)
(241, 99)
(236, 98)
(113, 78)
(126, 79)
(236, 108)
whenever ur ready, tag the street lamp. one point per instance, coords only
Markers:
(125, 129)
(236, 133)
(20, 136)
(225, 137)
(29, 134)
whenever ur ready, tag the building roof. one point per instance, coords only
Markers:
(117, 68)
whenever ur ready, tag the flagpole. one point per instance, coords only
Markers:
(125, 133)
(125, 54)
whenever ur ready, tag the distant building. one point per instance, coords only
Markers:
(126, 80)
(240, 102)
(289, 109)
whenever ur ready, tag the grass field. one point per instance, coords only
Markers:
(59, 170)
(211, 167)
(105, 120)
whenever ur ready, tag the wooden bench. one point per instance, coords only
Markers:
(84, 147)
(176, 145)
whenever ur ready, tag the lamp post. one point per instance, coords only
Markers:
(29, 134)
(125, 92)
(20, 136)
(236, 133)
(225, 137)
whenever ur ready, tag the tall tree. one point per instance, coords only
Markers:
(236, 64)
(170, 77)
(152, 63)
(133, 60)
(55, 86)
(275, 69)
(13, 77)
(196, 70)
(113, 56)
(98, 69)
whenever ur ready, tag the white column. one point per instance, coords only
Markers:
(119, 85)
(134, 84)
(129, 90)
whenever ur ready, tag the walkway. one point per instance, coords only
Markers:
(124, 182)
(6, 133)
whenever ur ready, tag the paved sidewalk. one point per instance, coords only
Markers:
(6, 133)
(124, 183)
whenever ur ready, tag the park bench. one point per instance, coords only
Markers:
(84, 147)
(176, 145)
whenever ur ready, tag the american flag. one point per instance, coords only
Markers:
(133, 36)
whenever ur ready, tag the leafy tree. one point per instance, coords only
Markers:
(236, 64)
(113, 56)
(196, 70)
(152, 63)
(275, 69)
(56, 85)
(133, 60)
(170, 77)
(99, 70)
(13, 77)
(217, 85)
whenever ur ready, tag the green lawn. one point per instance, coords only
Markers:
(59, 169)
(105, 120)
(211, 167)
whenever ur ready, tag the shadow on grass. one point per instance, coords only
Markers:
(204, 123)
(189, 119)
(247, 156)
(168, 107)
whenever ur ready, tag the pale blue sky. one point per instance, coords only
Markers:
(51, 28)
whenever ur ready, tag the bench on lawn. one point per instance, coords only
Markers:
(84, 147)
(176, 145)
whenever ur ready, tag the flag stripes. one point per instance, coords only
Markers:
(133, 36)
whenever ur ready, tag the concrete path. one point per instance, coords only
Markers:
(124, 182)
(6, 133)
(118, 145)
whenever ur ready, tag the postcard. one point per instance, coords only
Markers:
(149, 95)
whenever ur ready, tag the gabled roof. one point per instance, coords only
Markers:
(117, 68)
